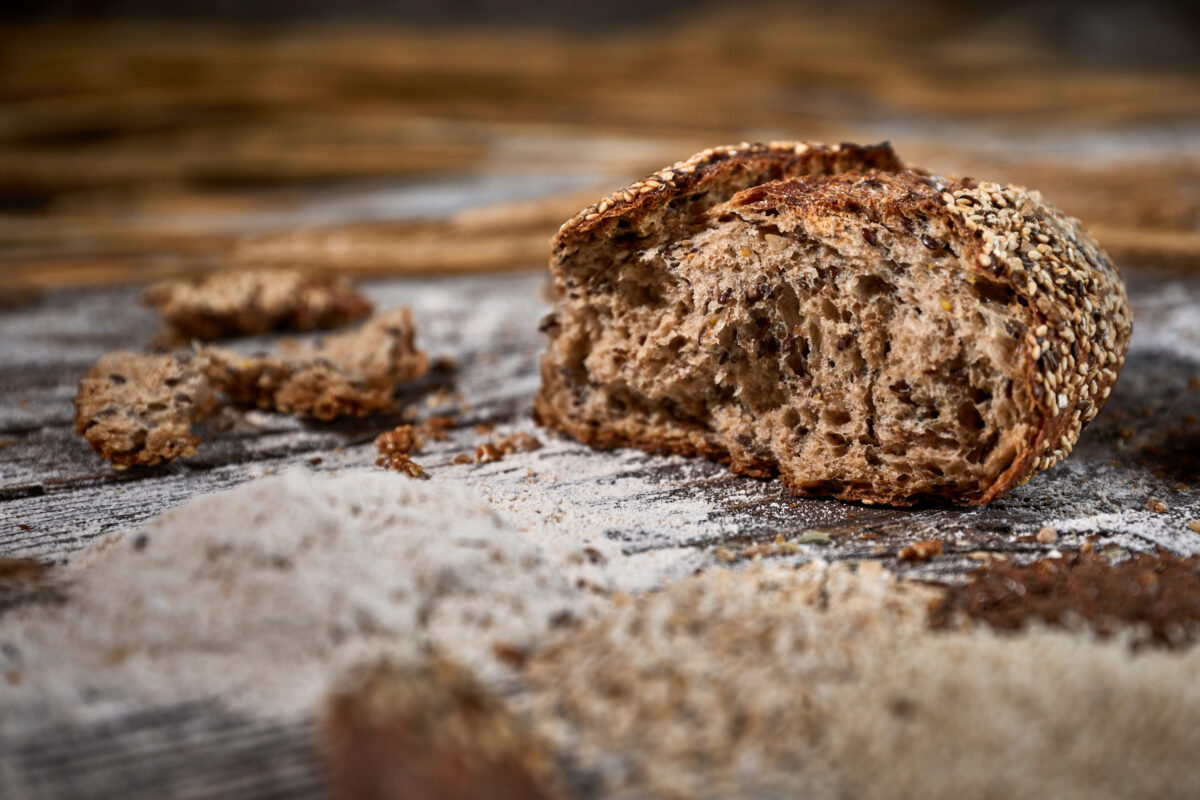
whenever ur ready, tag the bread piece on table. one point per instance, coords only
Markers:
(138, 410)
(348, 374)
(431, 731)
(244, 302)
(866, 331)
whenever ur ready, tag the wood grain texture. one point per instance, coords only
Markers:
(56, 497)
(135, 152)
(1140, 447)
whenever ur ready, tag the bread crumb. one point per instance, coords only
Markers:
(1156, 505)
(921, 551)
(402, 439)
(400, 462)
(519, 442)
(495, 450)
(1047, 535)
(486, 453)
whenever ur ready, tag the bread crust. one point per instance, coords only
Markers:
(726, 170)
(1078, 317)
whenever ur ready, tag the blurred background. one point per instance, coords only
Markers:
(143, 138)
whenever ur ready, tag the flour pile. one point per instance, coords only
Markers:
(261, 594)
(827, 682)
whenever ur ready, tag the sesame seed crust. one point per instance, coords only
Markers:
(1074, 346)
(1076, 349)
(730, 168)
(1079, 322)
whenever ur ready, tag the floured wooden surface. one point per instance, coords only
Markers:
(57, 495)
(652, 519)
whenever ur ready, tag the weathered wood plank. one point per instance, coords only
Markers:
(56, 497)
(1142, 446)
(192, 750)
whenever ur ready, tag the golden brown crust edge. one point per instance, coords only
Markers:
(711, 168)
(1075, 348)
(1072, 353)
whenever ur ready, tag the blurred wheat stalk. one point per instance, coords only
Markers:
(130, 153)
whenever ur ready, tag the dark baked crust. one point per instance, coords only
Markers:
(1078, 319)
(718, 173)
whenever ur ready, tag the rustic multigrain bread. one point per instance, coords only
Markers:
(245, 302)
(137, 410)
(866, 331)
(348, 374)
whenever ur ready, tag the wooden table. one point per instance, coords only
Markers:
(136, 154)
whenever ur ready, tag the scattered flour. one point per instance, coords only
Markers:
(261, 594)
(826, 682)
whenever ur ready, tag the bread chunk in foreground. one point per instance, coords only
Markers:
(865, 331)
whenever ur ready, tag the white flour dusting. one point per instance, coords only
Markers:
(262, 594)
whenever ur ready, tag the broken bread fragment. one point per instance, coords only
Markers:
(138, 410)
(866, 331)
(431, 731)
(347, 374)
(246, 302)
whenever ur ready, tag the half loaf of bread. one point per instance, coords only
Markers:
(864, 330)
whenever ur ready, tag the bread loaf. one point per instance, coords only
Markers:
(864, 330)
